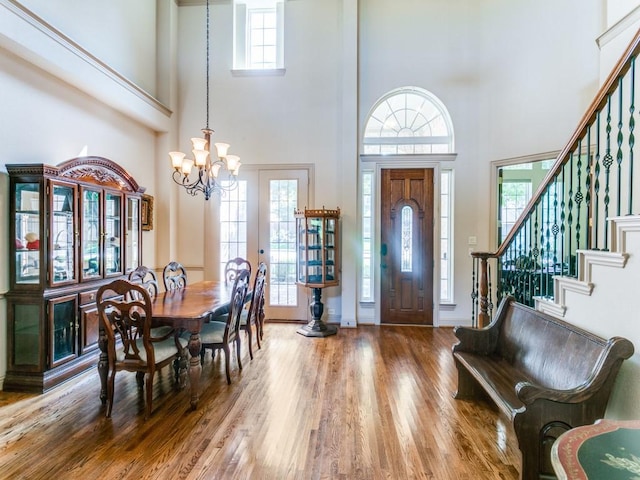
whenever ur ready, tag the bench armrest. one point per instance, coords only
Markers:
(529, 392)
(617, 350)
(482, 340)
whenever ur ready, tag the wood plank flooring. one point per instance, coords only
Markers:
(367, 403)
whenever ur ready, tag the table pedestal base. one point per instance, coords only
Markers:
(316, 327)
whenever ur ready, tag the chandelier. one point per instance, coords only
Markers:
(211, 174)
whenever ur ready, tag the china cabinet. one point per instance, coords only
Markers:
(317, 250)
(72, 228)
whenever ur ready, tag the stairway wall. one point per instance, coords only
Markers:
(613, 309)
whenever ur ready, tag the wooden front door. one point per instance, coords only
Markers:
(406, 268)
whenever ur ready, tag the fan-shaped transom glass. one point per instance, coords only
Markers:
(408, 120)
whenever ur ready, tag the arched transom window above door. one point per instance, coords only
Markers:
(408, 120)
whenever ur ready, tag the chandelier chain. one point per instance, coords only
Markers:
(207, 74)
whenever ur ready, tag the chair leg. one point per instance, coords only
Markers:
(227, 354)
(149, 392)
(248, 330)
(110, 394)
(202, 352)
(140, 380)
(238, 352)
(258, 334)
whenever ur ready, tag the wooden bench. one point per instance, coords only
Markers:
(547, 376)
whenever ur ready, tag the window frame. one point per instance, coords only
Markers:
(242, 13)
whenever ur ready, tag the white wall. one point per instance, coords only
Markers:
(292, 118)
(108, 31)
(515, 77)
(58, 98)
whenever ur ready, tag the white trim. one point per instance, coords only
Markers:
(619, 27)
(260, 72)
(412, 160)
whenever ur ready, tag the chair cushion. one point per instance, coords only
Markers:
(212, 332)
(163, 350)
(223, 318)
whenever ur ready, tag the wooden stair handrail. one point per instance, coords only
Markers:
(608, 87)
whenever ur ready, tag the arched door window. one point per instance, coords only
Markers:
(408, 120)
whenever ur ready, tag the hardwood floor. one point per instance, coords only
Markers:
(367, 403)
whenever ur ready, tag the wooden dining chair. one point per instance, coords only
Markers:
(146, 278)
(233, 267)
(174, 276)
(126, 315)
(251, 315)
(221, 335)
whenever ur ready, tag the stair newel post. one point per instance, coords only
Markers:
(483, 290)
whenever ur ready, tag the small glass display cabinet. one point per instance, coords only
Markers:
(67, 224)
(318, 267)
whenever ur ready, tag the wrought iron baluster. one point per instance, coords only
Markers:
(619, 139)
(588, 175)
(596, 187)
(569, 236)
(562, 214)
(555, 229)
(632, 124)
(578, 196)
(607, 162)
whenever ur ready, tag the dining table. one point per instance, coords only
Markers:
(186, 309)
(607, 449)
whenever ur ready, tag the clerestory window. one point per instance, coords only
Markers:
(258, 34)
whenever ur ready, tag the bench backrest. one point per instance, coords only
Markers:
(549, 351)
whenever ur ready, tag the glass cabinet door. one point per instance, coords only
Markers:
(27, 233)
(112, 234)
(64, 329)
(62, 234)
(90, 254)
(330, 250)
(132, 235)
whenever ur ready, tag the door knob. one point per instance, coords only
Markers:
(261, 251)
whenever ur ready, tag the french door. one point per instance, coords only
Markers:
(271, 197)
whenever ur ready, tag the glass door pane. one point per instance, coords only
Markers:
(62, 235)
(281, 193)
(90, 234)
(62, 315)
(132, 254)
(113, 234)
(26, 335)
(27, 228)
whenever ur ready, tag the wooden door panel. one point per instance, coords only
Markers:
(407, 251)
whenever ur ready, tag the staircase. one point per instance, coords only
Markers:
(574, 253)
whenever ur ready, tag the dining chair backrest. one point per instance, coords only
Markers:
(146, 278)
(174, 276)
(257, 295)
(125, 312)
(233, 267)
(236, 303)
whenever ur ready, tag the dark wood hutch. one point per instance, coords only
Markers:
(73, 227)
